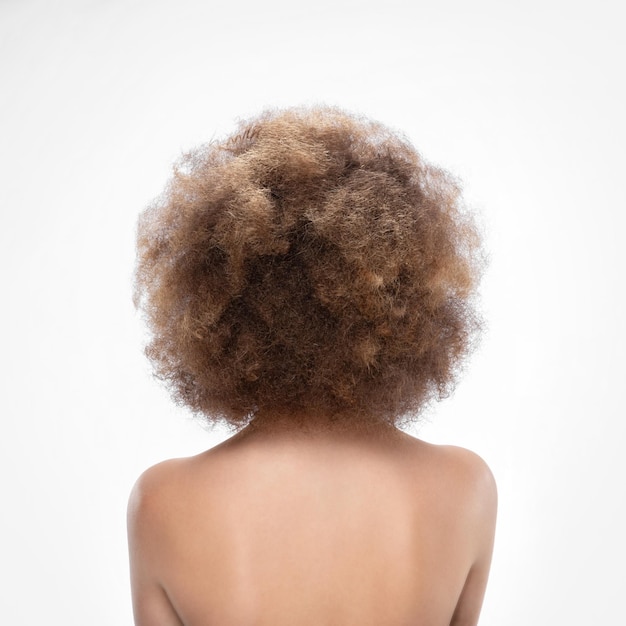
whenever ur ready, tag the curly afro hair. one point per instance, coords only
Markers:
(311, 264)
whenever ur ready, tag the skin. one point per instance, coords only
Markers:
(322, 528)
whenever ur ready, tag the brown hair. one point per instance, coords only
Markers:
(310, 264)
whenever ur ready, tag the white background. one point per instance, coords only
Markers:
(523, 100)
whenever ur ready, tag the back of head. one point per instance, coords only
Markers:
(311, 264)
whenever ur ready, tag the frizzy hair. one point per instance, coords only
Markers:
(310, 264)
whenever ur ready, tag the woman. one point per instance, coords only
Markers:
(310, 281)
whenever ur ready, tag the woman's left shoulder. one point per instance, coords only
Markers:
(158, 492)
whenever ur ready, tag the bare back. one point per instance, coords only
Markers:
(319, 530)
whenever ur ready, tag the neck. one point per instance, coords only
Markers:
(318, 427)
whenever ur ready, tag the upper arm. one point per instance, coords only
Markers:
(481, 507)
(149, 511)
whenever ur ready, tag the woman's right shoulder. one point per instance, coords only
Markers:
(467, 467)
(474, 501)
(460, 473)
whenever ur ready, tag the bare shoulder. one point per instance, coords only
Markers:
(457, 464)
(155, 484)
(475, 480)
(464, 503)
(469, 468)
(168, 490)
(460, 474)
(158, 499)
